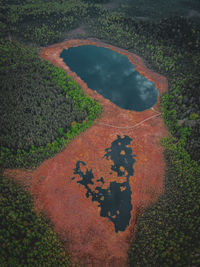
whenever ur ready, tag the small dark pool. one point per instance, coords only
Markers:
(115, 200)
(112, 75)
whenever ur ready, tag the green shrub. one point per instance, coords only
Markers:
(168, 232)
(26, 238)
(37, 114)
(194, 116)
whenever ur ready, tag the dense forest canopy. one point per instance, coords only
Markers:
(42, 109)
(33, 106)
(23, 233)
(155, 10)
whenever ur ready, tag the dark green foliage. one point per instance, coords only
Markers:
(37, 99)
(42, 22)
(168, 232)
(97, 1)
(175, 57)
(154, 10)
(33, 106)
(183, 33)
(26, 239)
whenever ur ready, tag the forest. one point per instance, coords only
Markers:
(168, 232)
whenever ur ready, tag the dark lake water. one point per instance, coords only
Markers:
(112, 75)
(114, 200)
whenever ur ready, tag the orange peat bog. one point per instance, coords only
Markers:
(121, 153)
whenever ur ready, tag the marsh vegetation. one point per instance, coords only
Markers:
(168, 231)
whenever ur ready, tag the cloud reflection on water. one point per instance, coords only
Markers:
(112, 75)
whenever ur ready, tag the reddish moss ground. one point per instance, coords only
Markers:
(91, 239)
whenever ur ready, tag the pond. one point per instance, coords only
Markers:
(112, 75)
(114, 199)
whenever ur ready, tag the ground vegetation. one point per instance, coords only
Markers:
(170, 47)
(26, 237)
(168, 232)
(41, 107)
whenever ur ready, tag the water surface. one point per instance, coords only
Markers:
(115, 199)
(112, 75)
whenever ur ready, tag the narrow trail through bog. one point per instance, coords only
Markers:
(114, 165)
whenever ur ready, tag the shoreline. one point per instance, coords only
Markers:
(91, 238)
(160, 81)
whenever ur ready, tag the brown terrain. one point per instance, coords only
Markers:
(91, 239)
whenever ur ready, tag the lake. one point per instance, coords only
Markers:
(112, 75)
